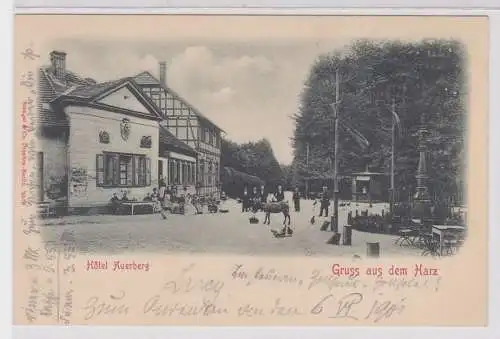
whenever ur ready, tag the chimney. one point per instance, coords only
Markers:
(58, 61)
(163, 73)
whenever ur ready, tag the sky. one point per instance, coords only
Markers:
(249, 89)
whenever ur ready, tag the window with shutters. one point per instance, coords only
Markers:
(217, 139)
(123, 170)
(202, 134)
(210, 137)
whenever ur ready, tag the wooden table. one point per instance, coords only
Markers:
(440, 230)
(132, 204)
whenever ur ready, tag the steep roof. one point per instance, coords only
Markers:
(168, 140)
(49, 88)
(52, 91)
(82, 90)
(147, 79)
(94, 90)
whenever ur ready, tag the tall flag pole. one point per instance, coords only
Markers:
(391, 205)
(396, 122)
(334, 223)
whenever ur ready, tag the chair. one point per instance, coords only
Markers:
(422, 235)
(431, 247)
(406, 236)
(452, 241)
(409, 231)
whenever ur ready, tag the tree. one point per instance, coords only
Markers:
(288, 176)
(253, 158)
(426, 80)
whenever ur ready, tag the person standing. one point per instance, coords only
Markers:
(296, 199)
(115, 204)
(263, 196)
(256, 194)
(256, 199)
(157, 207)
(325, 202)
(279, 195)
(245, 200)
(171, 194)
(162, 193)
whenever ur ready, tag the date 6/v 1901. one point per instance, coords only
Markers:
(350, 306)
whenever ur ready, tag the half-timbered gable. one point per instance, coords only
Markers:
(189, 125)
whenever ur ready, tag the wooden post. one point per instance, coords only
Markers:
(391, 201)
(335, 216)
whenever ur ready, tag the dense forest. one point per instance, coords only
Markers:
(253, 158)
(426, 82)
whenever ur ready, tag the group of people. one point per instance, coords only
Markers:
(258, 196)
(164, 194)
(248, 199)
(160, 196)
(261, 196)
(169, 198)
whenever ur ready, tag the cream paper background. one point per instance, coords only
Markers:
(457, 297)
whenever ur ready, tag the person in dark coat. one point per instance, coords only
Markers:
(256, 196)
(245, 201)
(263, 197)
(171, 192)
(256, 199)
(296, 199)
(279, 195)
(124, 196)
(115, 204)
(325, 202)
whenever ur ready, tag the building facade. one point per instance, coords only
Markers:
(177, 163)
(370, 186)
(188, 125)
(98, 139)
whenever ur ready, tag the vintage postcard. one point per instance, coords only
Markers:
(251, 170)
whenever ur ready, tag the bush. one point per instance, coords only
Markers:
(371, 223)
